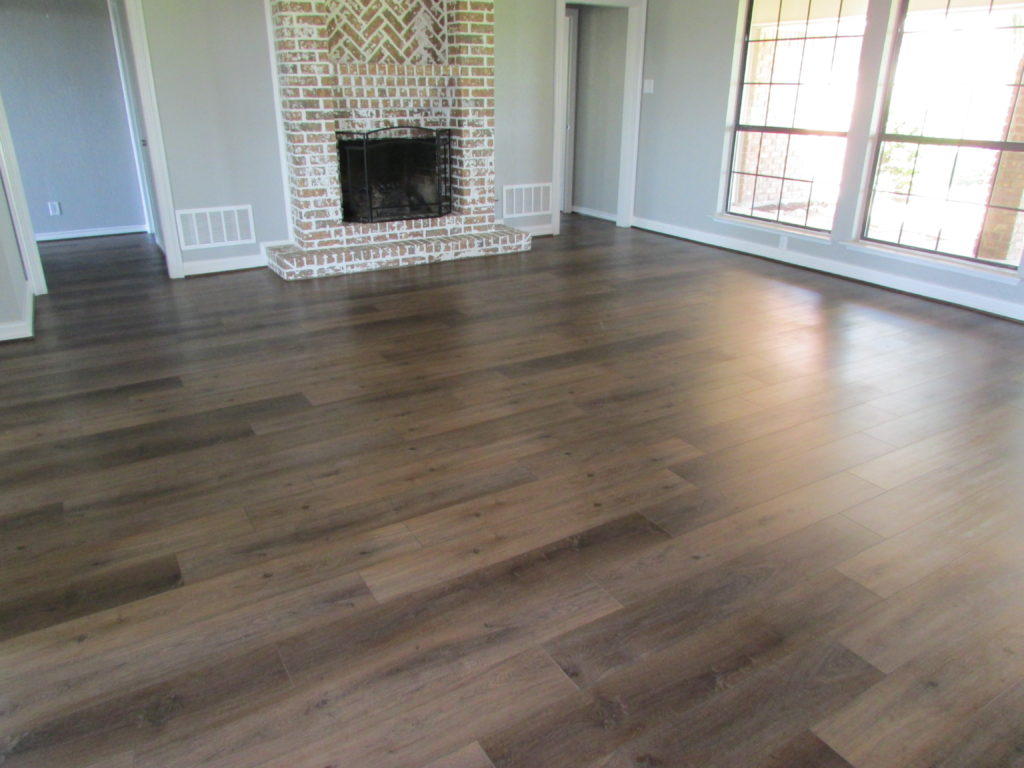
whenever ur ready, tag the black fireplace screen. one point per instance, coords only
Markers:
(395, 173)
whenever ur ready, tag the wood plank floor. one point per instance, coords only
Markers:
(624, 501)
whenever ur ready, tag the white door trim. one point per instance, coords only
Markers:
(164, 198)
(19, 208)
(572, 48)
(131, 109)
(634, 69)
(282, 142)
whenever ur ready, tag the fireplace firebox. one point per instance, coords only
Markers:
(397, 173)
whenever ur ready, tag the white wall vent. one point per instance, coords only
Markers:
(520, 200)
(215, 227)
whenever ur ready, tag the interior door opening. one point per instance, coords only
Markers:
(595, 104)
(68, 86)
(598, 79)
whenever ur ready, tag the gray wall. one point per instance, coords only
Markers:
(13, 282)
(689, 55)
(214, 87)
(599, 96)
(65, 106)
(524, 58)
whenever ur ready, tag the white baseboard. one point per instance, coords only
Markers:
(928, 290)
(227, 264)
(25, 327)
(75, 234)
(594, 213)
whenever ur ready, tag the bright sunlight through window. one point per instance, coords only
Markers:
(950, 172)
(800, 77)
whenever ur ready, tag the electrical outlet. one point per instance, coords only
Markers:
(648, 86)
(55, 209)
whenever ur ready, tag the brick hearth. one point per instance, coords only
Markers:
(365, 64)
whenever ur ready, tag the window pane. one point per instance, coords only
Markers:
(782, 105)
(816, 158)
(961, 201)
(800, 75)
(1002, 237)
(810, 56)
(796, 202)
(767, 198)
(793, 179)
(961, 223)
(958, 70)
(742, 193)
(886, 222)
(956, 88)
(971, 181)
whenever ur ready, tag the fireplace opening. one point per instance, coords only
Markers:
(392, 174)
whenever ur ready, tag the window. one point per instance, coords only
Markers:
(801, 60)
(949, 176)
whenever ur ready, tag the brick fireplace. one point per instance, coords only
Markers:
(359, 65)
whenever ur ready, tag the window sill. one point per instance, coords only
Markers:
(773, 228)
(1005, 275)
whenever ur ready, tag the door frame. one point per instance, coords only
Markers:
(11, 180)
(636, 34)
(152, 140)
(572, 49)
(148, 138)
(125, 69)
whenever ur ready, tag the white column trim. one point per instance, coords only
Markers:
(154, 137)
(25, 327)
(631, 100)
(15, 192)
(282, 145)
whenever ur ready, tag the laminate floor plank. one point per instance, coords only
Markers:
(623, 501)
(419, 721)
(996, 431)
(916, 709)
(742, 586)
(703, 547)
(758, 715)
(509, 531)
(991, 738)
(940, 609)
(43, 604)
(186, 703)
(805, 751)
(123, 446)
(650, 693)
(472, 756)
(266, 587)
(27, 698)
(934, 493)
(912, 554)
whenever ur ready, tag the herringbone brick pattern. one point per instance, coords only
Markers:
(388, 31)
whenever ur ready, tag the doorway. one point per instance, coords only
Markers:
(67, 81)
(598, 74)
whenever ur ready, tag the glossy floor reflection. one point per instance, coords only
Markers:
(622, 501)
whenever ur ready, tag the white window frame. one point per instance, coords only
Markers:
(862, 145)
(885, 86)
(736, 127)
